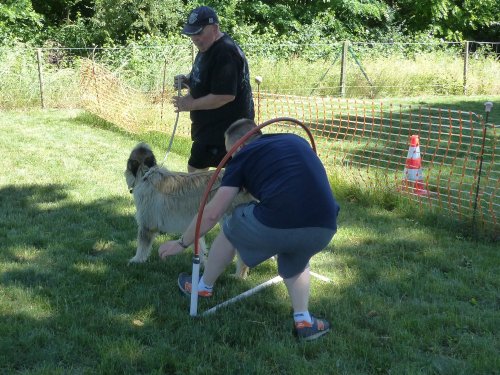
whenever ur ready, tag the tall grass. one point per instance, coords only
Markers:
(424, 74)
(150, 69)
(408, 296)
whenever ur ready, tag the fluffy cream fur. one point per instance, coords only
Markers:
(166, 201)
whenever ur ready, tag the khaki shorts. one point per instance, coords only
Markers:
(256, 242)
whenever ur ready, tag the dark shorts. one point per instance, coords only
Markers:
(256, 242)
(204, 156)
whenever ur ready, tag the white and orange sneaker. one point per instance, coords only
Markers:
(185, 284)
(311, 331)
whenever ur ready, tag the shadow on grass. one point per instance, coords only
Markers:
(71, 302)
(65, 280)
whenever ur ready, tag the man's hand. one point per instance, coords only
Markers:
(182, 80)
(183, 103)
(169, 248)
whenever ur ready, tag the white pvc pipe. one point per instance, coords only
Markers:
(254, 290)
(194, 288)
(321, 277)
(248, 293)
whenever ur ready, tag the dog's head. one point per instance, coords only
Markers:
(141, 159)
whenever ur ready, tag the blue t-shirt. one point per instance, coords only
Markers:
(287, 177)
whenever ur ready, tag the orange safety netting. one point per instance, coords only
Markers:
(368, 142)
(364, 142)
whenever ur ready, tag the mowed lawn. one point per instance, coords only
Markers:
(408, 296)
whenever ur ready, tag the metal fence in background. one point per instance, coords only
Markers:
(378, 70)
(49, 76)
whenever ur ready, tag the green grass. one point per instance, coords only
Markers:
(408, 296)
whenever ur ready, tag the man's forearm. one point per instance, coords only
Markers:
(208, 221)
(210, 101)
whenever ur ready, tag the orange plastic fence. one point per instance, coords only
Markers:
(105, 95)
(365, 142)
(371, 141)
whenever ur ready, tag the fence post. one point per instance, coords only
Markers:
(40, 74)
(94, 75)
(163, 87)
(466, 65)
(343, 68)
(487, 108)
(258, 80)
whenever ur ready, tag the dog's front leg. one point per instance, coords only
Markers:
(145, 239)
(241, 268)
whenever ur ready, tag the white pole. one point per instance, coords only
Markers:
(258, 80)
(248, 293)
(256, 289)
(321, 277)
(194, 287)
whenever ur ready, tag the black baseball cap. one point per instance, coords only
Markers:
(198, 18)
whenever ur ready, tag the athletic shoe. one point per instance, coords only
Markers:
(185, 283)
(311, 331)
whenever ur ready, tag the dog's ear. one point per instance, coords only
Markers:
(130, 178)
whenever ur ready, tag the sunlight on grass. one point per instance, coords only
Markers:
(91, 267)
(355, 236)
(25, 300)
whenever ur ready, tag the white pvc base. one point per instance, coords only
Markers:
(194, 289)
(248, 293)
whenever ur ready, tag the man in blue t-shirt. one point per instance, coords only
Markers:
(294, 217)
(219, 88)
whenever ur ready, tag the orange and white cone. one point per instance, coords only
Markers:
(413, 176)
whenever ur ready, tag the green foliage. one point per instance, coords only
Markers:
(451, 19)
(78, 23)
(19, 22)
(60, 12)
(124, 20)
(346, 19)
(77, 34)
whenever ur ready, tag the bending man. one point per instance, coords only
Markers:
(295, 217)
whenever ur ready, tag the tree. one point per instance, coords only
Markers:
(18, 21)
(333, 17)
(451, 19)
(58, 12)
(122, 20)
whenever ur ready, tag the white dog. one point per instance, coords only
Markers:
(166, 202)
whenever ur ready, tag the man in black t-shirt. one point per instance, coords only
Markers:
(219, 88)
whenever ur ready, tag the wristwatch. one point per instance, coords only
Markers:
(181, 242)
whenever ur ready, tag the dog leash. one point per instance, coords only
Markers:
(179, 88)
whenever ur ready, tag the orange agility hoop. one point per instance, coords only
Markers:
(196, 256)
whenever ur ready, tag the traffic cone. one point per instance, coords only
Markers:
(413, 177)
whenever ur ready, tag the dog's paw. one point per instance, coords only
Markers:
(136, 260)
(241, 268)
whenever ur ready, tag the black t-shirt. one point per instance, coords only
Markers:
(221, 70)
